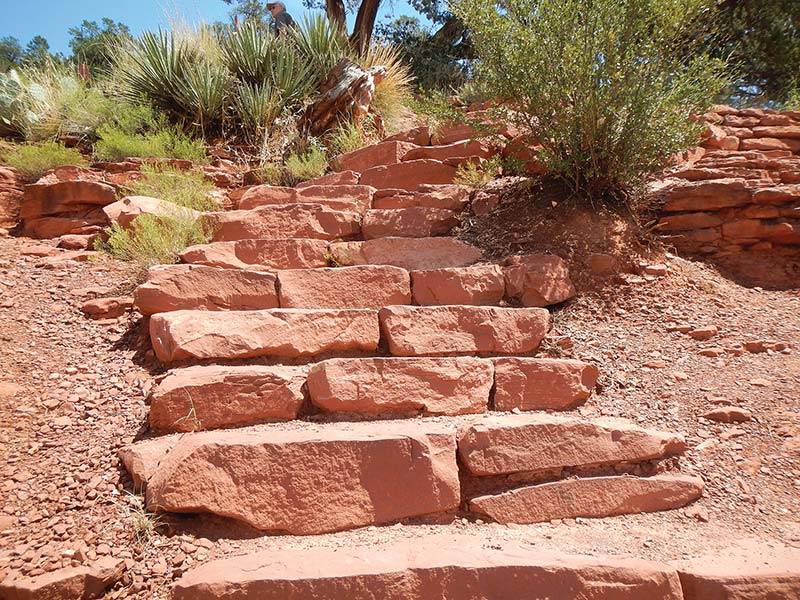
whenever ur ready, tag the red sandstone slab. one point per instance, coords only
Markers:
(283, 221)
(385, 153)
(443, 566)
(461, 149)
(591, 497)
(287, 333)
(261, 195)
(542, 383)
(786, 132)
(197, 287)
(770, 143)
(479, 285)
(360, 196)
(83, 582)
(414, 222)
(365, 286)
(313, 480)
(688, 221)
(402, 386)
(451, 197)
(260, 254)
(706, 195)
(499, 445)
(43, 199)
(407, 253)
(409, 175)
(210, 397)
(421, 136)
(342, 178)
(142, 459)
(454, 330)
(538, 279)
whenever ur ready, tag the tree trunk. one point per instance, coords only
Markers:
(365, 22)
(336, 15)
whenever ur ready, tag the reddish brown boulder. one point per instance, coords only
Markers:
(342, 178)
(312, 480)
(592, 497)
(706, 195)
(452, 330)
(542, 383)
(385, 153)
(288, 221)
(53, 227)
(197, 287)
(480, 285)
(408, 253)
(107, 308)
(414, 222)
(142, 459)
(409, 175)
(420, 136)
(401, 386)
(129, 208)
(260, 254)
(450, 197)
(729, 414)
(462, 149)
(285, 333)
(209, 397)
(538, 279)
(345, 287)
(80, 583)
(43, 199)
(77, 242)
(521, 443)
(444, 566)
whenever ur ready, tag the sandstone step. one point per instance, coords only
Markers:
(538, 279)
(260, 254)
(453, 330)
(409, 175)
(450, 197)
(590, 497)
(210, 397)
(42, 199)
(198, 287)
(385, 153)
(479, 285)
(341, 178)
(401, 386)
(286, 333)
(414, 222)
(312, 480)
(351, 198)
(283, 221)
(706, 195)
(500, 445)
(365, 286)
(460, 149)
(441, 566)
(542, 383)
(408, 253)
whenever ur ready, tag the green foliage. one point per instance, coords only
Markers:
(155, 239)
(37, 53)
(115, 143)
(393, 94)
(11, 53)
(606, 87)
(308, 165)
(436, 109)
(320, 45)
(179, 186)
(348, 137)
(33, 160)
(94, 45)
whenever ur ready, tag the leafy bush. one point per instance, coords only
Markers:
(115, 143)
(179, 186)
(606, 87)
(308, 165)
(33, 160)
(154, 239)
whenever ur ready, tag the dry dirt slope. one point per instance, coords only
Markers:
(66, 405)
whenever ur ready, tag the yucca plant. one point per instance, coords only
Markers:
(249, 52)
(204, 93)
(320, 44)
(257, 107)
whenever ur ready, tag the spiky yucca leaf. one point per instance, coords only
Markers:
(320, 44)
(248, 53)
(257, 107)
(203, 92)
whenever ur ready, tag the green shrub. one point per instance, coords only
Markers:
(114, 144)
(348, 137)
(308, 165)
(33, 160)
(155, 239)
(179, 186)
(606, 87)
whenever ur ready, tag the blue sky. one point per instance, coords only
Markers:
(23, 19)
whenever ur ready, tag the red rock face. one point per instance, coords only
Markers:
(385, 153)
(401, 386)
(277, 480)
(517, 443)
(538, 279)
(408, 253)
(455, 567)
(414, 222)
(210, 397)
(480, 285)
(53, 198)
(542, 383)
(260, 254)
(287, 333)
(197, 287)
(346, 287)
(409, 175)
(288, 221)
(591, 497)
(452, 330)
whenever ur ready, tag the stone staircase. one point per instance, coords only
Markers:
(338, 362)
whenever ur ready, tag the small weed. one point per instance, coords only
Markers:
(182, 187)
(34, 160)
(302, 167)
(191, 416)
(144, 524)
(349, 137)
(477, 176)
